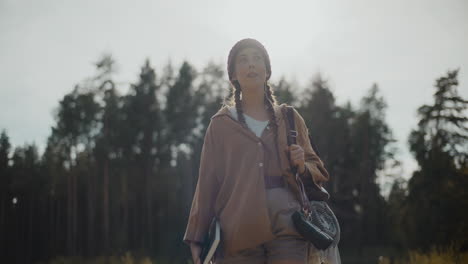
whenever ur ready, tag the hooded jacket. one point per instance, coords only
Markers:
(231, 179)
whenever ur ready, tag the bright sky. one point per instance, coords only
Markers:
(48, 46)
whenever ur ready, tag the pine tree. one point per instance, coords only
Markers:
(284, 92)
(5, 195)
(372, 139)
(437, 190)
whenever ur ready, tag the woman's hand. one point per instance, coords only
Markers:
(196, 251)
(296, 156)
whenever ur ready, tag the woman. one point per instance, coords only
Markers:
(245, 178)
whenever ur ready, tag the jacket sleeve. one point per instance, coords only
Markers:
(313, 164)
(202, 211)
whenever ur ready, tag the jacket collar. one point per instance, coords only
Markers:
(224, 111)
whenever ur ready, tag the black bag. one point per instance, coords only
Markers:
(315, 221)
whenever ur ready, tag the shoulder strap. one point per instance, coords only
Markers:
(290, 115)
(315, 192)
(292, 132)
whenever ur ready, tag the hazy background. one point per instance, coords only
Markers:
(118, 173)
(48, 46)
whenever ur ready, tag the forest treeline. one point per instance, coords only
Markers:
(119, 169)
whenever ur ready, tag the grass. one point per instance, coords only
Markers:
(434, 256)
(447, 255)
(128, 258)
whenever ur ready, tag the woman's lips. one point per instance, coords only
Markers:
(252, 75)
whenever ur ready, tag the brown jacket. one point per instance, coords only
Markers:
(231, 184)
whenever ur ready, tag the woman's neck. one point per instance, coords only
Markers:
(253, 104)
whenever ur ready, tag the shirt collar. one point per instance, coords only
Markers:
(224, 111)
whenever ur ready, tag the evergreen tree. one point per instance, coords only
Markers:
(144, 131)
(180, 111)
(5, 194)
(26, 188)
(437, 190)
(284, 92)
(181, 114)
(372, 138)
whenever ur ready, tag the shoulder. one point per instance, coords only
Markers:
(299, 120)
(298, 116)
(280, 111)
(224, 110)
(218, 120)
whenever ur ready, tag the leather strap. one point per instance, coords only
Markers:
(291, 133)
(314, 192)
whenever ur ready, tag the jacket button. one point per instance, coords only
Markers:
(260, 164)
(259, 143)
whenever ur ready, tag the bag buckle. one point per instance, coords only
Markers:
(293, 133)
(307, 213)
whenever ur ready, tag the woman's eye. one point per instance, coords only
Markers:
(257, 58)
(242, 60)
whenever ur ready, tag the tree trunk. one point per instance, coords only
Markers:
(51, 223)
(125, 210)
(90, 214)
(75, 215)
(105, 210)
(2, 226)
(149, 230)
(30, 230)
(69, 214)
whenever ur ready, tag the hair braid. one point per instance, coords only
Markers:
(270, 101)
(238, 103)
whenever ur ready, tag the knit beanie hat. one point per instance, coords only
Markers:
(247, 43)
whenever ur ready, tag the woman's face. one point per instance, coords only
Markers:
(250, 69)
